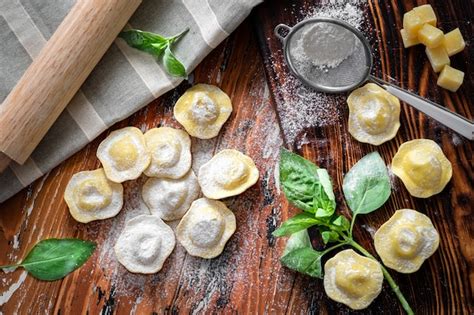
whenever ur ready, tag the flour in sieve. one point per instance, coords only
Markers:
(301, 108)
(324, 45)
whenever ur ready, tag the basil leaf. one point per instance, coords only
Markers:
(304, 260)
(297, 240)
(157, 46)
(53, 259)
(297, 223)
(145, 41)
(298, 180)
(172, 65)
(299, 255)
(367, 186)
(340, 223)
(329, 236)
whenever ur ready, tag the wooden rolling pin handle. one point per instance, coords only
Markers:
(57, 73)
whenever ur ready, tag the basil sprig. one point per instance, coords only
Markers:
(53, 259)
(158, 46)
(366, 188)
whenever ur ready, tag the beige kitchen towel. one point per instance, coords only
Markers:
(125, 79)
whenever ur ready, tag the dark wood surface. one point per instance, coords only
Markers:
(248, 277)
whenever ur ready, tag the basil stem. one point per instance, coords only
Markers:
(387, 276)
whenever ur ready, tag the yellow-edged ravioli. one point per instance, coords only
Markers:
(228, 173)
(202, 110)
(170, 151)
(352, 279)
(123, 154)
(205, 228)
(422, 167)
(406, 240)
(374, 114)
(91, 196)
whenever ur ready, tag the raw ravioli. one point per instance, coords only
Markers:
(202, 110)
(91, 196)
(352, 279)
(406, 240)
(228, 173)
(123, 154)
(374, 114)
(422, 167)
(144, 244)
(170, 151)
(205, 228)
(170, 198)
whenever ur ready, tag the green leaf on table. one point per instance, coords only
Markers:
(297, 223)
(329, 236)
(367, 185)
(299, 255)
(340, 223)
(305, 185)
(172, 65)
(53, 259)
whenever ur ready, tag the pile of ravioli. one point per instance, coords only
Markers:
(172, 190)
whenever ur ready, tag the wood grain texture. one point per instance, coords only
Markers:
(57, 73)
(247, 277)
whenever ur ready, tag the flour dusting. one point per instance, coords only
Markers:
(301, 108)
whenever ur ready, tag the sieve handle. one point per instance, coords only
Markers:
(279, 28)
(448, 118)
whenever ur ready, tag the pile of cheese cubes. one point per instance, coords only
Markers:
(419, 27)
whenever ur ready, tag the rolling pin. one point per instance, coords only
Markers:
(57, 73)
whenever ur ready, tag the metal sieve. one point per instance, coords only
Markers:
(336, 64)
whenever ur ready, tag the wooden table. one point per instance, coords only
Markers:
(248, 277)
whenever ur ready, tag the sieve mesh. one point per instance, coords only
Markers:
(328, 55)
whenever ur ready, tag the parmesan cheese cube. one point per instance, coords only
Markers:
(450, 78)
(430, 36)
(438, 57)
(453, 42)
(412, 23)
(407, 40)
(426, 14)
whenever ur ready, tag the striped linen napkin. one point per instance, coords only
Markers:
(125, 79)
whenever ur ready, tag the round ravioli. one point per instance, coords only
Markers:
(205, 228)
(422, 167)
(170, 198)
(228, 173)
(352, 279)
(374, 114)
(170, 151)
(91, 196)
(202, 110)
(406, 240)
(123, 154)
(144, 244)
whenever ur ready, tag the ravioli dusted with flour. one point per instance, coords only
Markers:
(374, 114)
(170, 151)
(205, 228)
(144, 244)
(352, 279)
(202, 110)
(123, 154)
(170, 198)
(422, 167)
(228, 173)
(91, 196)
(406, 240)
